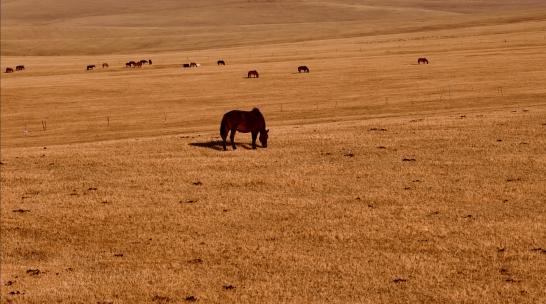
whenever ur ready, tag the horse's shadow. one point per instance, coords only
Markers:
(217, 145)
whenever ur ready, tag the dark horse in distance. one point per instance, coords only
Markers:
(422, 60)
(253, 73)
(303, 69)
(245, 122)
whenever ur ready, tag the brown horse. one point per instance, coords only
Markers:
(221, 62)
(253, 73)
(138, 64)
(193, 65)
(422, 60)
(20, 68)
(303, 69)
(9, 70)
(90, 67)
(244, 121)
(150, 61)
(105, 65)
(144, 61)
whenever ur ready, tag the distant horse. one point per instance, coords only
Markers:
(138, 64)
(150, 61)
(303, 69)
(253, 73)
(185, 65)
(105, 65)
(244, 121)
(422, 60)
(193, 65)
(20, 68)
(221, 62)
(128, 65)
(9, 70)
(143, 61)
(90, 67)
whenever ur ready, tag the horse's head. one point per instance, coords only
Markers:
(263, 138)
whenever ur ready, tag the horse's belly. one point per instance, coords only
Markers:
(243, 128)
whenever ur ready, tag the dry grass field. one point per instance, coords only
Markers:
(384, 181)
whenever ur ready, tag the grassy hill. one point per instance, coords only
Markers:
(63, 27)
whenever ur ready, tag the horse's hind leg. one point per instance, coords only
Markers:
(254, 135)
(232, 138)
(224, 136)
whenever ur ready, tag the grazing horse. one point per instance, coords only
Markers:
(193, 65)
(244, 121)
(90, 67)
(221, 62)
(128, 65)
(138, 64)
(303, 69)
(105, 65)
(143, 61)
(20, 68)
(422, 60)
(9, 70)
(253, 73)
(185, 65)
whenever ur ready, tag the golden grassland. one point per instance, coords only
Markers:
(444, 209)
(384, 181)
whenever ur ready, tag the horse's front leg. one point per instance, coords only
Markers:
(232, 138)
(254, 135)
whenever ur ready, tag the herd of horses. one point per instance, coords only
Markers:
(191, 65)
(242, 121)
(140, 63)
(17, 68)
(130, 64)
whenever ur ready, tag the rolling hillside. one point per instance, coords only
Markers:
(62, 27)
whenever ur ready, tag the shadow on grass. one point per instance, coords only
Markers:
(217, 145)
